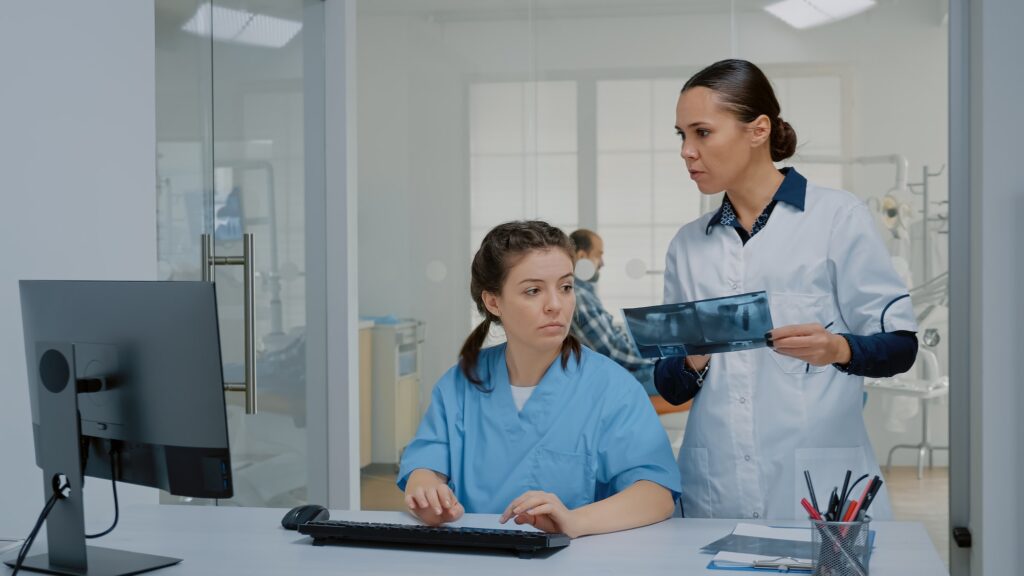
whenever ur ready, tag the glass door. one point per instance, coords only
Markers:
(232, 193)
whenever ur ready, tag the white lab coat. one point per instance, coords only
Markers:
(762, 418)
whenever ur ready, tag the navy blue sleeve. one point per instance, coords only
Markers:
(674, 380)
(880, 355)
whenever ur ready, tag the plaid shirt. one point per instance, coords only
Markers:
(594, 326)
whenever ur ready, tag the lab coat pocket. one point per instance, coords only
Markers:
(567, 475)
(828, 468)
(696, 497)
(790, 309)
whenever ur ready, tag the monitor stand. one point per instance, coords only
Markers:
(99, 561)
(60, 434)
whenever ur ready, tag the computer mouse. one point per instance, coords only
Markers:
(301, 514)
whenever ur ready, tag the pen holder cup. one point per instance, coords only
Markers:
(841, 548)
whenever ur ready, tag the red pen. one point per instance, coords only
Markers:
(852, 511)
(856, 504)
(850, 515)
(815, 515)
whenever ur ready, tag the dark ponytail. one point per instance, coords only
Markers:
(744, 90)
(500, 250)
(471, 350)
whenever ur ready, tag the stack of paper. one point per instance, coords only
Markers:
(8, 544)
(738, 561)
(756, 547)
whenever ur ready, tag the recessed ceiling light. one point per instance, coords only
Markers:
(802, 14)
(240, 26)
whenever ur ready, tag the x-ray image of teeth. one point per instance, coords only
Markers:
(702, 327)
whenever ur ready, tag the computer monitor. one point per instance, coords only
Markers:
(125, 380)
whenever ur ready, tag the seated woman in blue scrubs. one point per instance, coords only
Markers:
(540, 429)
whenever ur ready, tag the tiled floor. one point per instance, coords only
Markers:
(925, 500)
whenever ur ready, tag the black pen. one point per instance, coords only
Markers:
(871, 493)
(810, 488)
(846, 484)
(833, 502)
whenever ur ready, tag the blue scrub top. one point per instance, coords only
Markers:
(587, 432)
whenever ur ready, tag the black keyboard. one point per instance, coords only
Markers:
(523, 543)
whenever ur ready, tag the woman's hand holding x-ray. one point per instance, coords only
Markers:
(811, 343)
(428, 497)
(544, 511)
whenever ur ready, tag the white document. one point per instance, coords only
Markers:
(8, 544)
(736, 559)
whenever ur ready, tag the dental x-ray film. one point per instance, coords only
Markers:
(701, 327)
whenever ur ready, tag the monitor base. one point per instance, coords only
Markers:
(102, 562)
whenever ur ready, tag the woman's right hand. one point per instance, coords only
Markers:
(430, 499)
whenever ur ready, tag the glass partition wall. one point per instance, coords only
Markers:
(474, 113)
(232, 161)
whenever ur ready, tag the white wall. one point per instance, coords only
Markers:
(413, 139)
(997, 273)
(77, 198)
(413, 183)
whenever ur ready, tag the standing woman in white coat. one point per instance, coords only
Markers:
(840, 312)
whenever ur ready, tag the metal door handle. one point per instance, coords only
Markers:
(209, 263)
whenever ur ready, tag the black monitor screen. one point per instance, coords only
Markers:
(147, 362)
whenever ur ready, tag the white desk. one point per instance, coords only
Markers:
(251, 541)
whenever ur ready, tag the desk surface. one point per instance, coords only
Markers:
(251, 541)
